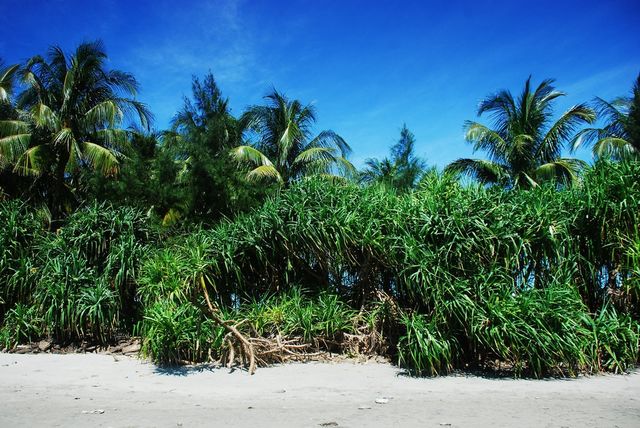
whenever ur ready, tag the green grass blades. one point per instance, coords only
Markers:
(617, 340)
(423, 349)
(175, 333)
(22, 324)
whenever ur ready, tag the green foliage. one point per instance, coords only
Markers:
(61, 279)
(524, 145)
(403, 171)
(21, 230)
(486, 274)
(71, 113)
(80, 279)
(284, 150)
(22, 324)
(422, 349)
(619, 137)
(295, 314)
(617, 340)
(530, 276)
(174, 333)
(204, 181)
(541, 330)
(96, 308)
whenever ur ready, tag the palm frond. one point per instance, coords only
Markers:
(13, 127)
(118, 139)
(486, 172)
(105, 113)
(345, 168)
(100, 158)
(251, 155)
(315, 154)
(486, 139)
(13, 146)
(7, 80)
(329, 139)
(614, 147)
(563, 129)
(378, 171)
(64, 137)
(563, 170)
(135, 111)
(264, 172)
(30, 162)
(44, 117)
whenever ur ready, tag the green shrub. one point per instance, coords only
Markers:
(174, 333)
(22, 324)
(617, 340)
(423, 349)
(486, 273)
(21, 230)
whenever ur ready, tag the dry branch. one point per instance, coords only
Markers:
(246, 347)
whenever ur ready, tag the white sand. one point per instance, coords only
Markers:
(72, 390)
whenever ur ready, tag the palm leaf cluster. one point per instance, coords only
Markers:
(524, 144)
(286, 149)
(70, 115)
(619, 138)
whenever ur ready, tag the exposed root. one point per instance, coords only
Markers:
(252, 350)
(244, 345)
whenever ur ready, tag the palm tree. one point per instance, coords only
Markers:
(524, 144)
(70, 116)
(402, 171)
(620, 136)
(285, 151)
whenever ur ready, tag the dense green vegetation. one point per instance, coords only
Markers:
(224, 231)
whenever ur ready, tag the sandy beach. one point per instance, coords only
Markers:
(103, 390)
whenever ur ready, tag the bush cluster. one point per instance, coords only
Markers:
(538, 282)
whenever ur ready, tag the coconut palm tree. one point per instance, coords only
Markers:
(619, 138)
(71, 114)
(284, 150)
(524, 144)
(402, 171)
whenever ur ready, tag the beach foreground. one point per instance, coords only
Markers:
(103, 390)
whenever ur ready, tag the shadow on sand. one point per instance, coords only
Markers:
(187, 370)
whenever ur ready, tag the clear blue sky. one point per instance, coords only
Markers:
(368, 66)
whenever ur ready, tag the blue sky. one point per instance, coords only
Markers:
(368, 66)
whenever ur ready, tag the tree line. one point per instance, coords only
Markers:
(72, 130)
